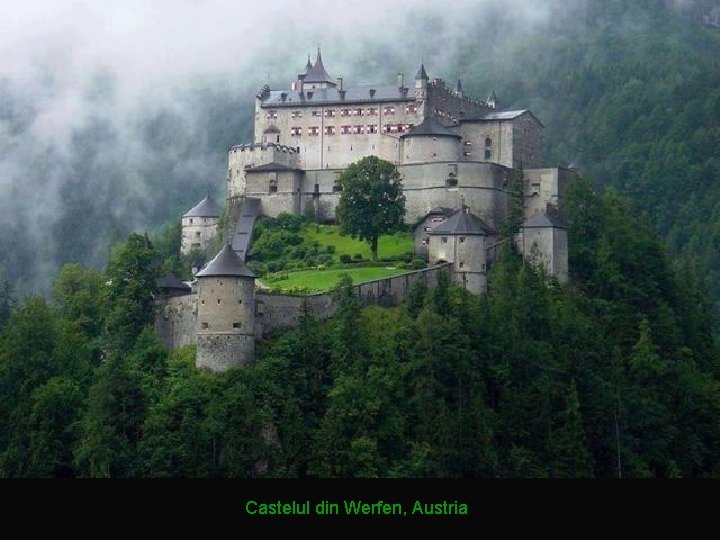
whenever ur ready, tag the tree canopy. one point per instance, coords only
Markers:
(372, 201)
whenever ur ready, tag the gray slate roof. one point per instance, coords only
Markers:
(327, 96)
(430, 127)
(421, 74)
(205, 208)
(317, 73)
(545, 220)
(171, 281)
(226, 263)
(462, 223)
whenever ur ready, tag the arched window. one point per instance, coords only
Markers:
(488, 142)
(273, 186)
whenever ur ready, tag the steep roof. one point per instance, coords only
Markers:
(430, 127)
(462, 223)
(421, 74)
(317, 73)
(171, 281)
(510, 115)
(205, 208)
(545, 220)
(226, 263)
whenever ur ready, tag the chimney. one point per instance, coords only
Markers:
(400, 82)
(283, 96)
(372, 92)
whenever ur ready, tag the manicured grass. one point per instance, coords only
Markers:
(389, 246)
(323, 280)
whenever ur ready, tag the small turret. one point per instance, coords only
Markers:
(317, 77)
(459, 88)
(199, 226)
(492, 100)
(226, 313)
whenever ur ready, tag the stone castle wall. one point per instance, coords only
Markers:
(176, 319)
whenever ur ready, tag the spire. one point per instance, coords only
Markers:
(317, 73)
(459, 86)
(492, 100)
(421, 74)
(308, 66)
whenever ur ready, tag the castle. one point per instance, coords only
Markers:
(457, 157)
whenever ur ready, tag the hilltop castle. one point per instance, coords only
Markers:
(457, 157)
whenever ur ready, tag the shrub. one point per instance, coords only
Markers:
(357, 257)
(418, 264)
(289, 222)
(345, 258)
(330, 249)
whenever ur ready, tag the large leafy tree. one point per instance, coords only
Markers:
(372, 201)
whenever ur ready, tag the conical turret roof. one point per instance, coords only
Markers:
(430, 127)
(317, 73)
(226, 263)
(205, 208)
(421, 74)
(462, 223)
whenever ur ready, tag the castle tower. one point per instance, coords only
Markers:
(430, 141)
(199, 226)
(421, 82)
(316, 77)
(462, 240)
(226, 313)
(543, 240)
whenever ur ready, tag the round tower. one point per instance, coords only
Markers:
(462, 240)
(226, 313)
(430, 141)
(199, 226)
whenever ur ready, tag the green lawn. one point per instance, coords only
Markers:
(389, 246)
(323, 280)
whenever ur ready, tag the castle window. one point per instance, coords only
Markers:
(202, 302)
(389, 110)
(488, 154)
(357, 112)
(461, 240)
(295, 131)
(345, 112)
(218, 301)
(191, 221)
(271, 115)
(358, 130)
(467, 143)
(345, 130)
(329, 113)
(316, 113)
(467, 153)
(239, 301)
(444, 239)
(372, 111)
(197, 234)
(482, 267)
(426, 241)
(329, 130)
(372, 129)
(273, 186)
(462, 264)
(437, 220)
(296, 114)
(488, 142)
(428, 229)
(451, 182)
(314, 130)
(337, 186)
(411, 109)
(205, 326)
(236, 325)
(195, 246)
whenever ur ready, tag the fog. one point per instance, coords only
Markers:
(116, 116)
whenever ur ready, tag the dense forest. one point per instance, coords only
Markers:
(616, 374)
(613, 375)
